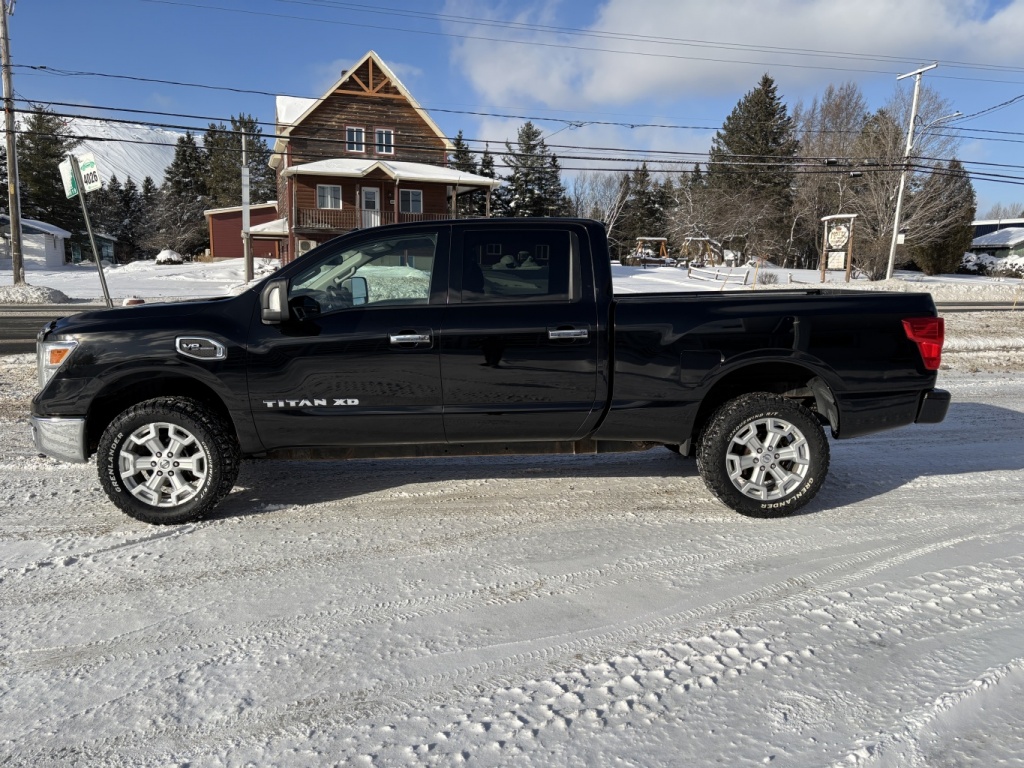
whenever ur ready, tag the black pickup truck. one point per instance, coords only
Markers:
(479, 336)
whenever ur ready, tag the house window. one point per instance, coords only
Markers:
(328, 196)
(385, 141)
(354, 137)
(410, 201)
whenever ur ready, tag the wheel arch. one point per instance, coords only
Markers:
(791, 380)
(122, 394)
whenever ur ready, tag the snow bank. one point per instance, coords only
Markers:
(31, 294)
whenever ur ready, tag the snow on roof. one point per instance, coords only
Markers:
(1001, 238)
(980, 222)
(398, 170)
(237, 208)
(275, 227)
(41, 226)
(289, 108)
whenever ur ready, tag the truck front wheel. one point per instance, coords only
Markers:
(763, 455)
(167, 460)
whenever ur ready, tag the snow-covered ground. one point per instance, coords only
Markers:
(601, 610)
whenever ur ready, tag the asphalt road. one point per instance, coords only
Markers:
(19, 323)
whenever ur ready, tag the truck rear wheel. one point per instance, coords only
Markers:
(167, 460)
(763, 455)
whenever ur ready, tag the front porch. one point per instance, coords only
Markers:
(346, 219)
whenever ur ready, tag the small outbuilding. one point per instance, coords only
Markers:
(42, 244)
(1000, 243)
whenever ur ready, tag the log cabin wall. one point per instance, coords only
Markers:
(367, 100)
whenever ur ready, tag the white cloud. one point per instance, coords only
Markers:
(576, 73)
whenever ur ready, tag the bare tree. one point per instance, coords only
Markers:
(599, 196)
(827, 129)
(1005, 211)
(879, 156)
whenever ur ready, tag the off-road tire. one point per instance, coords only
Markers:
(741, 432)
(181, 437)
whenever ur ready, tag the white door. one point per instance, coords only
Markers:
(371, 207)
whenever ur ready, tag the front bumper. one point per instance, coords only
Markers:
(61, 439)
(934, 406)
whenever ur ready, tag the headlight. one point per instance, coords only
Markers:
(51, 355)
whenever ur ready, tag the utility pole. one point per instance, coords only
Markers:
(13, 191)
(246, 241)
(906, 158)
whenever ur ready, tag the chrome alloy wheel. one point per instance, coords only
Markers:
(768, 458)
(163, 464)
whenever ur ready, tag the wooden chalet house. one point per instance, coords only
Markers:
(364, 154)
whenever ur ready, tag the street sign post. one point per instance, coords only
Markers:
(88, 171)
(78, 174)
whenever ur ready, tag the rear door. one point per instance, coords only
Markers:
(520, 344)
(359, 363)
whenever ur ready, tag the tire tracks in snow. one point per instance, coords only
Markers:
(417, 693)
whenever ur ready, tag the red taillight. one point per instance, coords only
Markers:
(928, 333)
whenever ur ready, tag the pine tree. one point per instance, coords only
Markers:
(755, 142)
(461, 159)
(150, 195)
(44, 143)
(534, 186)
(643, 214)
(130, 222)
(104, 205)
(952, 214)
(750, 171)
(183, 198)
(487, 169)
(223, 147)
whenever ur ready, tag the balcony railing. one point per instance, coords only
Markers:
(354, 218)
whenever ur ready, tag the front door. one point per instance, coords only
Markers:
(371, 207)
(358, 363)
(521, 351)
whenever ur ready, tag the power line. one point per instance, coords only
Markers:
(630, 36)
(558, 45)
(744, 164)
(567, 122)
(643, 153)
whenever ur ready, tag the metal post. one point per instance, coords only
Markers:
(246, 242)
(77, 173)
(849, 253)
(824, 253)
(906, 157)
(13, 191)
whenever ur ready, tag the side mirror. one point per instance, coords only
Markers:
(273, 302)
(358, 290)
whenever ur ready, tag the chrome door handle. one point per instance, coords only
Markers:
(572, 333)
(409, 338)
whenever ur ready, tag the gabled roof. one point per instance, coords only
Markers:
(396, 169)
(1001, 238)
(288, 106)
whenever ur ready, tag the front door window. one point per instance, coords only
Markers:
(371, 207)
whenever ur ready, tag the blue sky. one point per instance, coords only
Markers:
(584, 71)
